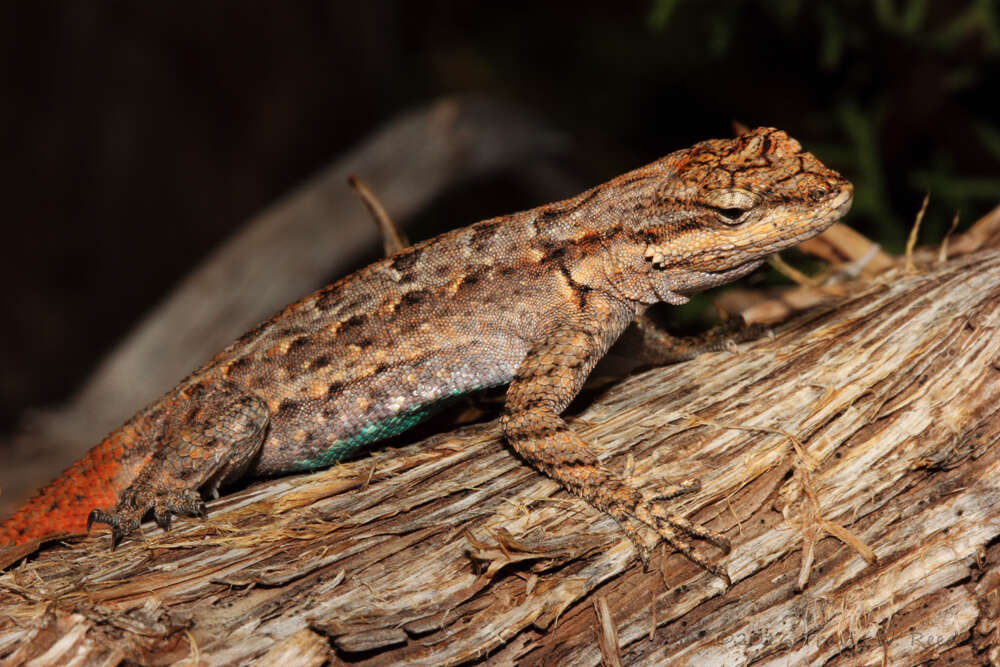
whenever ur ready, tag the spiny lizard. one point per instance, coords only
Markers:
(532, 300)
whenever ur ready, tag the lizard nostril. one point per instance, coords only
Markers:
(817, 194)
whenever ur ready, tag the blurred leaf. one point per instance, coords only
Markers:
(907, 21)
(785, 11)
(951, 192)
(958, 190)
(961, 78)
(831, 48)
(659, 15)
(721, 32)
(871, 56)
(870, 194)
(979, 17)
(990, 137)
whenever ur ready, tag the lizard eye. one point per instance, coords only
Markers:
(731, 204)
(731, 213)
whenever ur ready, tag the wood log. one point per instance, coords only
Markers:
(871, 423)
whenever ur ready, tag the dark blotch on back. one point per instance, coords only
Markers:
(549, 212)
(406, 260)
(353, 321)
(197, 390)
(328, 297)
(240, 367)
(287, 409)
(292, 330)
(589, 242)
(482, 236)
(555, 254)
(611, 232)
(415, 297)
(298, 345)
(319, 362)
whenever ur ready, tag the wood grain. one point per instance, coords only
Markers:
(878, 417)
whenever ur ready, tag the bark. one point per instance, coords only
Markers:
(873, 421)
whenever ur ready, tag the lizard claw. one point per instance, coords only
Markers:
(679, 522)
(162, 519)
(691, 485)
(95, 516)
(121, 526)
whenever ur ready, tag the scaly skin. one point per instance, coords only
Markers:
(532, 300)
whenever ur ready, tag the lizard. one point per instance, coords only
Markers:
(531, 300)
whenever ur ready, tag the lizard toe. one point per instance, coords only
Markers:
(162, 518)
(635, 510)
(633, 531)
(183, 502)
(692, 485)
(678, 532)
(121, 530)
(653, 508)
(738, 331)
(97, 516)
(122, 524)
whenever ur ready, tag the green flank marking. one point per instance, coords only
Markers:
(376, 431)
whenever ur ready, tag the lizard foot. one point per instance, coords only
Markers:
(673, 528)
(658, 347)
(137, 500)
(732, 332)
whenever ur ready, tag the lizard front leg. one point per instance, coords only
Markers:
(547, 380)
(207, 440)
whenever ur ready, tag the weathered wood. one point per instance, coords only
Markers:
(879, 415)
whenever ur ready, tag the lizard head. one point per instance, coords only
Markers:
(724, 205)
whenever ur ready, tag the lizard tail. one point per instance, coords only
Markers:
(61, 508)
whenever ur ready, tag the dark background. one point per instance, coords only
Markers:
(136, 136)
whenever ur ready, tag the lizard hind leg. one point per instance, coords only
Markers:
(207, 441)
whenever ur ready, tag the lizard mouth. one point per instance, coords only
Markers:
(842, 203)
(736, 272)
(696, 281)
